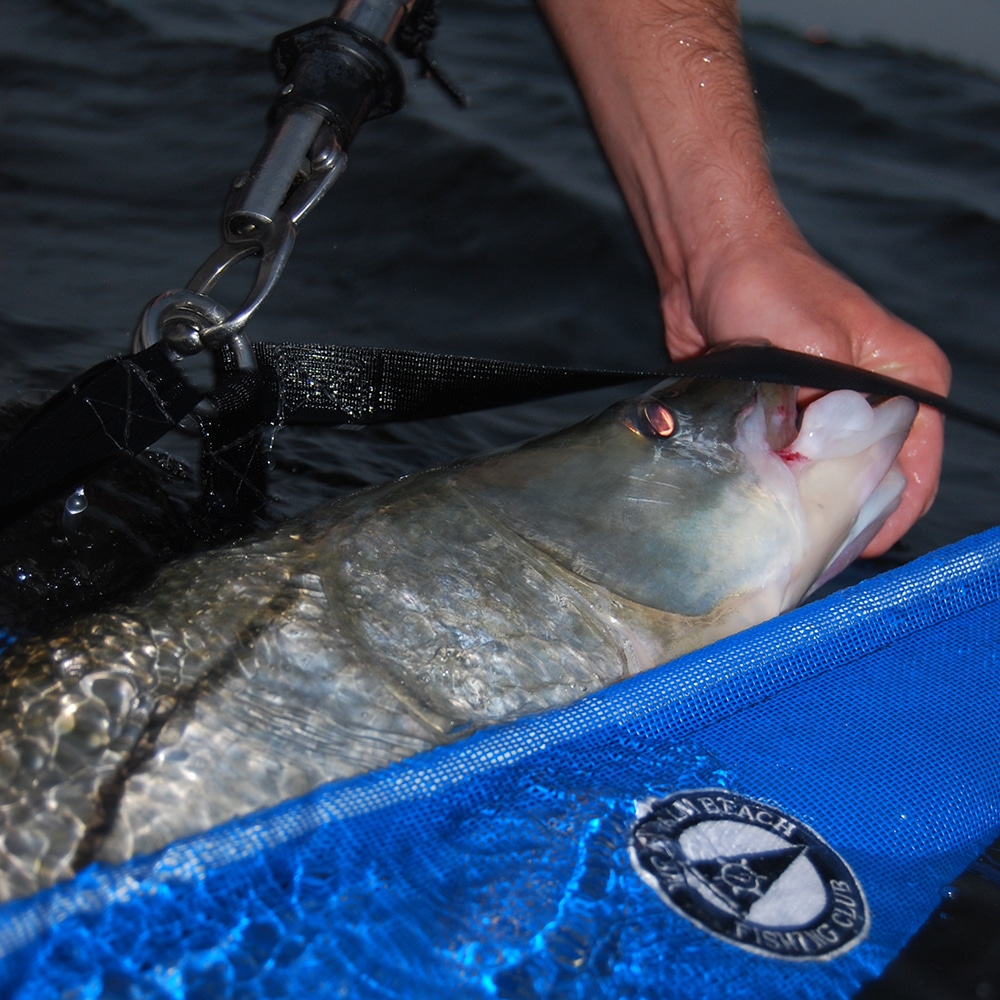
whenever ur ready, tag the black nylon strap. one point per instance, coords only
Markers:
(363, 385)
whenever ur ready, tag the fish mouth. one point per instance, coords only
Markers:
(840, 447)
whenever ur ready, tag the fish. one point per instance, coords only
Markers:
(410, 614)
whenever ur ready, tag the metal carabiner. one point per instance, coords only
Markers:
(190, 320)
(273, 244)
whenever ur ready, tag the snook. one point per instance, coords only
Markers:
(407, 615)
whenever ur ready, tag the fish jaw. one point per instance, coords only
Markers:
(836, 464)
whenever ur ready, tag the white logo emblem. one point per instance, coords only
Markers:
(749, 874)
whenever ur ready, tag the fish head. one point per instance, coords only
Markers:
(707, 497)
(779, 499)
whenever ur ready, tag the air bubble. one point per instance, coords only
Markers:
(76, 502)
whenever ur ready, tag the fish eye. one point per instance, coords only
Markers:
(651, 419)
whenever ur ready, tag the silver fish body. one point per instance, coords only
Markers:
(405, 616)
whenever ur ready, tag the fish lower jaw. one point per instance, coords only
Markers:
(873, 514)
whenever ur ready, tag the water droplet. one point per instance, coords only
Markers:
(949, 892)
(76, 502)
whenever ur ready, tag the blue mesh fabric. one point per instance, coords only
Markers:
(499, 866)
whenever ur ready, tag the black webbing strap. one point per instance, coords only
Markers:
(367, 385)
(124, 405)
(363, 385)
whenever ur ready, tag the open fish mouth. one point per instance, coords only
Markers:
(841, 450)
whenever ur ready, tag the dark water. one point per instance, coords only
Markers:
(493, 231)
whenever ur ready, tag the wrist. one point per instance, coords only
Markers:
(718, 261)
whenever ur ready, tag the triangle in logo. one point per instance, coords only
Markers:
(738, 881)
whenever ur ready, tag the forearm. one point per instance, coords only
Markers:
(669, 95)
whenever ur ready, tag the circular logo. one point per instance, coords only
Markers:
(749, 874)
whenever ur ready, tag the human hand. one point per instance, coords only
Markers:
(778, 288)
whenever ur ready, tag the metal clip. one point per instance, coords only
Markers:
(274, 247)
(190, 320)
